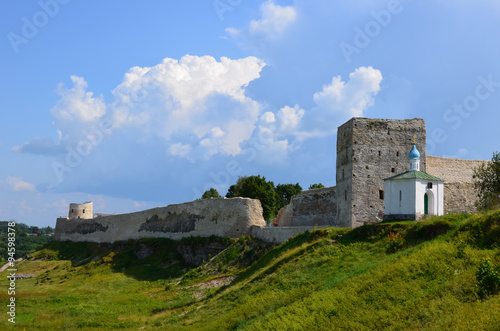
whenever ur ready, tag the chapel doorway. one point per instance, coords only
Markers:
(429, 203)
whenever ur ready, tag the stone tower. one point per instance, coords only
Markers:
(369, 150)
(81, 210)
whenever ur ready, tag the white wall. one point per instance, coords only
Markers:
(395, 206)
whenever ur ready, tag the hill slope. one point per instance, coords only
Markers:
(394, 276)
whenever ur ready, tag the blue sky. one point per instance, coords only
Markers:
(135, 105)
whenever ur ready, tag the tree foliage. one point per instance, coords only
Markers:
(487, 183)
(284, 193)
(272, 198)
(26, 240)
(235, 190)
(212, 193)
(316, 186)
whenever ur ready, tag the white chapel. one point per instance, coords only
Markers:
(414, 193)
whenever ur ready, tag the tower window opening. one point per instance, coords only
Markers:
(397, 153)
(381, 194)
(345, 195)
(84, 211)
(429, 185)
(72, 211)
(393, 170)
(378, 153)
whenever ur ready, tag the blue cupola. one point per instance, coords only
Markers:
(414, 153)
(414, 157)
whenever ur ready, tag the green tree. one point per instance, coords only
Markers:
(315, 186)
(487, 183)
(256, 187)
(212, 193)
(284, 193)
(235, 190)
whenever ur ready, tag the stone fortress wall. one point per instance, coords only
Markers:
(368, 150)
(459, 193)
(310, 208)
(221, 217)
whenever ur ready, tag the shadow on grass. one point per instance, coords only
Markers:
(148, 259)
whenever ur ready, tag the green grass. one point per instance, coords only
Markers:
(326, 279)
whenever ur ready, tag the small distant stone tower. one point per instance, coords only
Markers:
(369, 150)
(81, 210)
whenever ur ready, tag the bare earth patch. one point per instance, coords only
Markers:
(219, 282)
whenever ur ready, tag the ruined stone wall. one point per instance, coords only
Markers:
(310, 208)
(278, 235)
(221, 217)
(459, 193)
(369, 150)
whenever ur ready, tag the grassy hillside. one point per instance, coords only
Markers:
(392, 276)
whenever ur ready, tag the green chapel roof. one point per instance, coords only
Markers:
(415, 174)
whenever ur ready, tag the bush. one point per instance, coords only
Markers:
(396, 241)
(488, 278)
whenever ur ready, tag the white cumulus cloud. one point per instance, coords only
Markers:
(18, 185)
(338, 101)
(275, 19)
(289, 118)
(166, 117)
(179, 149)
(76, 104)
(188, 99)
(191, 99)
(282, 132)
(274, 22)
(75, 113)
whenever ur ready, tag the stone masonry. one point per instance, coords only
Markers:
(310, 208)
(459, 193)
(221, 217)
